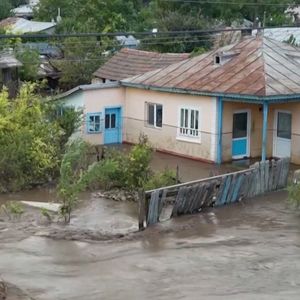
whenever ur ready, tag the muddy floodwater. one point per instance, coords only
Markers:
(249, 250)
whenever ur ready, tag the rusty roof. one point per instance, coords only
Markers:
(130, 62)
(256, 66)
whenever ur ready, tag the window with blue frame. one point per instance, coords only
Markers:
(94, 123)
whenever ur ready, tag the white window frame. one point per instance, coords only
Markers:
(155, 116)
(93, 124)
(189, 135)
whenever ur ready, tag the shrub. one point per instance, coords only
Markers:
(294, 194)
(164, 178)
(73, 167)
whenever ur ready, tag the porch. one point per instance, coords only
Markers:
(258, 129)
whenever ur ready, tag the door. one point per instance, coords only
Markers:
(112, 126)
(241, 134)
(282, 134)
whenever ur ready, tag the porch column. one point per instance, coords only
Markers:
(219, 128)
(265, 131)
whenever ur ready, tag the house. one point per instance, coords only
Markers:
(25, 10)
(130, 62)
(282, 34)
(9, 71)
(20, 26)
(234, 102)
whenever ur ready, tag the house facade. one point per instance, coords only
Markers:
(235, 102)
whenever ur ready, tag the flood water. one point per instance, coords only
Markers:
(249, 250)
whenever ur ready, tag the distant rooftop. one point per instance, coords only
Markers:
(8, 60)
(20, 25)
(130, 62)
(281, 34)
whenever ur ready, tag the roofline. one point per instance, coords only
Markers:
(88, 87)
(226, 96)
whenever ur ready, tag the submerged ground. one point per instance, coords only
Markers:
(249, 250)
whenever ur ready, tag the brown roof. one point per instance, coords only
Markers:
(256, 66)
(8, 22)
(130, 62)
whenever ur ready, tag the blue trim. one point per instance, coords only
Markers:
(230, 97)
(264, 131)
(88, 115)
(220, 128)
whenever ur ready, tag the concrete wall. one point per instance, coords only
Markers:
(166, 138)
(96, 101)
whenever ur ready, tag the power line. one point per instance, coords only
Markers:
(136, 34)
(233, 3)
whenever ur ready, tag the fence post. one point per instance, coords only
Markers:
(142, 213)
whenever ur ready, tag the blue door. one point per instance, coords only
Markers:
(112, 126)
(240, 135)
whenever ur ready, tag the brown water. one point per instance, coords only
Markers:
(249, 250)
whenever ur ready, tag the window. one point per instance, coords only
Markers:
(154, 114)
(284, 125)
(189, 122)
(94, 123)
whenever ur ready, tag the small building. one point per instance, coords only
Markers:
(239, 101)
(9, 72)
(20, 26)
(130, 62)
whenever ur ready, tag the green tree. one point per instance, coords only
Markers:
(82, 56)
(5, 8)
(30, 141)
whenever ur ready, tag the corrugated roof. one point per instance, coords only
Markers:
(20, 25)
(130, 62)
(281, 34)
(8, 60)
(256, 66)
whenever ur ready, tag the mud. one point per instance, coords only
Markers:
(246, 251)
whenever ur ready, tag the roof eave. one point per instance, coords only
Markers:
(226, 96)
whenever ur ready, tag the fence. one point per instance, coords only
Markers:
(194, 196)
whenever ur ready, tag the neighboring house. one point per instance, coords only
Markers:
(20, 26)
(9, 72)
(282, 34)
(130, 62)
(128, 41)
(25, 10)
(235, 102)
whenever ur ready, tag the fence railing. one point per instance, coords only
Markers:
(194, 196)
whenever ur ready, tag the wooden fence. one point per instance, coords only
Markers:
(194, 196)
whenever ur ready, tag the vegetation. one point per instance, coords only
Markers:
(31, 141)
(294, 194)
(12, 209)
(73, 166)
(129, 171)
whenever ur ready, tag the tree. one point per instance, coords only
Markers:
(82, 56)
(5, 7)
(30, 141)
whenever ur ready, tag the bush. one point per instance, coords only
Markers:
(73, 167)
(294, 194)
(32, 139)
(164, 178)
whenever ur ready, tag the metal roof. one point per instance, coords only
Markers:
(130, 62)
(20, 25)
(281, 34)
(86, 87)
(256, 66)
(8, 60)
